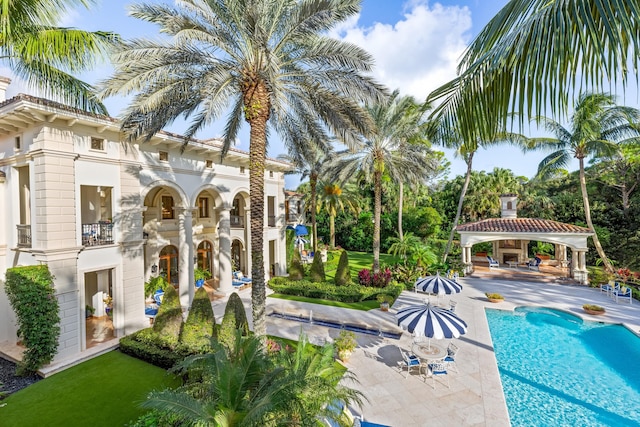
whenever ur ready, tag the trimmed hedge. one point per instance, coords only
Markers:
(317, 269)
(200, 325)
(296, 269)
(168, 321)
(32, 296)
(343, 273)
(329, 291)
(148, 346)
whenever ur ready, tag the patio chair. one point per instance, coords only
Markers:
(238, 275)
(492, 262)
(534, 264)
(608, 287)
(409, 361)
(624, 292)
(151, 310)
(452, 305)
(438, 369)
(450, 359)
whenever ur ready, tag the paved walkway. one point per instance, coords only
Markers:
(475, 397)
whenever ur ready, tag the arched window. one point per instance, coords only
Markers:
(169, 264)
(205, 256)
(236, 256)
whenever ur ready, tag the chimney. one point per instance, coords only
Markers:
(509, 205)
(4, 84)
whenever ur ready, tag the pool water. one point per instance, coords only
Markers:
(557, 370)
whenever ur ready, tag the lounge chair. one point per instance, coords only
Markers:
(151, 310)
(492, 262)
(438, 369)
(534, 264)
(624, 292)
(237, 275)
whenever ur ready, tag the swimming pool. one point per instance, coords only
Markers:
(557, 370)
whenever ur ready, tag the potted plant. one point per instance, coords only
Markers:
(200, 275)
(89, 311)
(384, 301)
(494, 297)
(593, 309)
(108, 305)
(153, 284)
(345, 344)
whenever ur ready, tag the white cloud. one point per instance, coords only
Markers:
(418, 53)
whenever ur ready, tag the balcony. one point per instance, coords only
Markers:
(271, 220)
(236, 221)
(24, 235)
(97, 234)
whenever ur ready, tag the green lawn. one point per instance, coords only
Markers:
(104, 391)
(362, 305)
(360, 260)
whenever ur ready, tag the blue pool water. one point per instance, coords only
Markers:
(557, 370)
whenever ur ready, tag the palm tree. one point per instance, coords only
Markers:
(597, 126)
(388, 151)
(308, 161)
(522, 61)
(334, 197)
(269, 63)
(45, 55)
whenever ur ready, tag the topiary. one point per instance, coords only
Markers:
(317, 270)
(296, 269)
(343, 275)
(198, 330)
(168, 321)
(234, 318)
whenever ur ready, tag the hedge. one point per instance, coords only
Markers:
(199, 328)
(148, 346)
(329, 291)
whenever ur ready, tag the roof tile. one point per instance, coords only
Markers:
(520, 225)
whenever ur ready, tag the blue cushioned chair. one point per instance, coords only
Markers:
(492, 262)
(409, 361)
(438, 369)
(151, 310)
(624, 292)
(535, 264)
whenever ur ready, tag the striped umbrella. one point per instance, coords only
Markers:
(431, 321)
(438, 285)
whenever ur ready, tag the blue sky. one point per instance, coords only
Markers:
(416, 45)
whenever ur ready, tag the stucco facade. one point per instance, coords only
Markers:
(106, 214)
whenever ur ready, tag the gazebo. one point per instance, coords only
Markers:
(511, 235)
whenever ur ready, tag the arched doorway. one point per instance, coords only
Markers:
(205, 256)
(169, 264)
(236, 256)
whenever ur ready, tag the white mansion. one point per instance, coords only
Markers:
(105, 215)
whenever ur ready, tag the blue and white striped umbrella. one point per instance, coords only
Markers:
(431, 321)
(438, 285)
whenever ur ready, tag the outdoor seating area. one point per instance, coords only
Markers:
(618, 292)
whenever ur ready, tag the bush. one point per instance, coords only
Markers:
(168, 321)
(296, 269)
(343, 274)
(155, 283)
(200, 325)
(148, 346)
(329, 291)
(234, 318)
(380, 279)
(32, 296)
(317, 269)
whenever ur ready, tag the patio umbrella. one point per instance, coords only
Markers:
(431, 321)
(438, 285)
(301, 230)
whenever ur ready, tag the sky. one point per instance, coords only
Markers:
(416, 45)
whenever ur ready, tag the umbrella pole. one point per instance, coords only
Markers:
(429, 344)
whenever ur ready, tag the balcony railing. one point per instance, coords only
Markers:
(237, 221)
(100, 233)
(271, 220)
(24, 235)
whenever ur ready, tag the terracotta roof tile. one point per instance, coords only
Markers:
(520, 225)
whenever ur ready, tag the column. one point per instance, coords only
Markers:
(224, 258)
(185, 233)
(579, 263)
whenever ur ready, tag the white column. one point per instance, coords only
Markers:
(185, 233)
(224, 257)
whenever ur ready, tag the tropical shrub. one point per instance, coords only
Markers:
(317, 269)
(329, 291)
(199, 328)
(343, 273)
(168, 321)
(378, 279)
(32, 297)
(155, 283)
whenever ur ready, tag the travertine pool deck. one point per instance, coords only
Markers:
(475, 397)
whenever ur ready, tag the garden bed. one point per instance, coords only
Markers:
(11, 382)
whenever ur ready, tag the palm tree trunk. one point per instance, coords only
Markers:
(332, 230)
(256, 101)
(587, 214)
(377, 208)
(313, 181)
(463, 193)
(400, 201)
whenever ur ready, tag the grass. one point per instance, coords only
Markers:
(361, 260)
(104, 391)
(362, 305)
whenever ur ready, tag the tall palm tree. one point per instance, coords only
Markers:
(267, 62)
(534, 54)
(308, 161)
(45, 55)
(386, 151)
(597, 126)
(333, 198)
